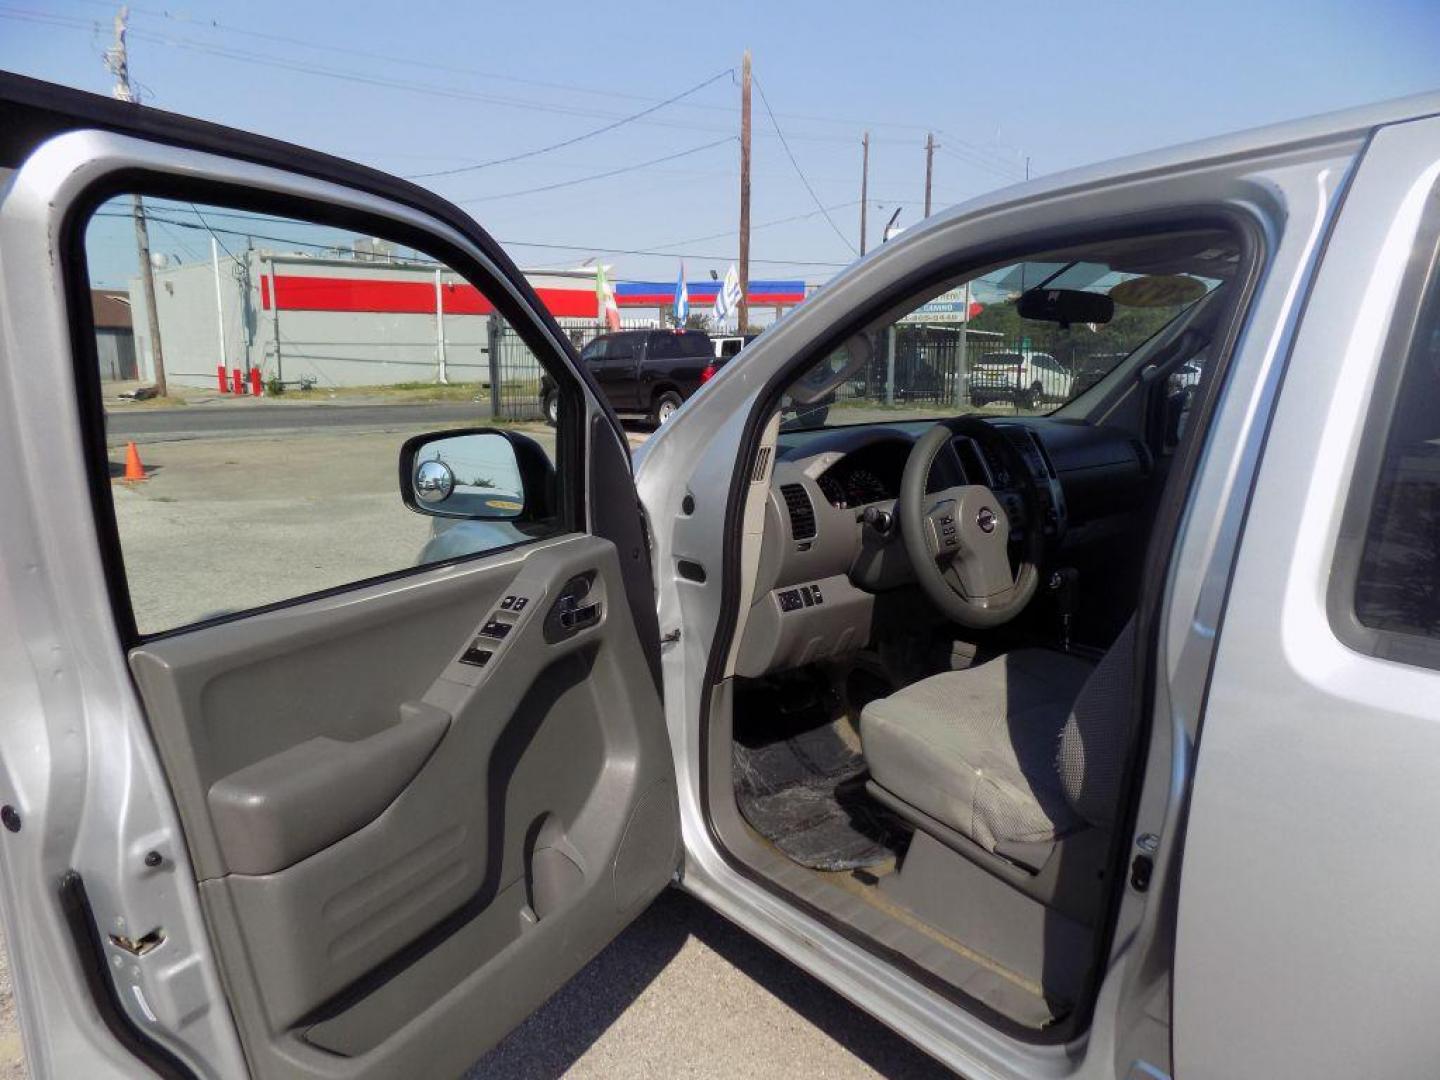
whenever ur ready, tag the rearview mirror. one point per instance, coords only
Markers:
(480, 475)
(1065, 306)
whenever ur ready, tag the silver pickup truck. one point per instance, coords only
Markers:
(1087, 736)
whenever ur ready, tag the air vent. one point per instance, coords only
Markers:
(762, 466)
(802, 512)
(1044, 454)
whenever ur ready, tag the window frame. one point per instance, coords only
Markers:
(570, 495)
(1416, 302)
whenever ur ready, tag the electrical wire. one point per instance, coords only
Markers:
(574, 139)
(429, 64)
(597, 176)
(419, 260)
(799, 171)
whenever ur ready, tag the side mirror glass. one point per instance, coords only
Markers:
(479, 475)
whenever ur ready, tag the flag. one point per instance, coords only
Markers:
(605, 300)
(727, 300)
(682, 298)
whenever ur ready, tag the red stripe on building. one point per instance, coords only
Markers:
(296, 293)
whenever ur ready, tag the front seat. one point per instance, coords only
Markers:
(1009, 761)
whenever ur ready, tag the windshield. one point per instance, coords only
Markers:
(1024, 338)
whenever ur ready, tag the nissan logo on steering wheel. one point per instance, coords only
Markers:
(986, 519)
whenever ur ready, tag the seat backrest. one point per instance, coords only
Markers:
(1093, 742)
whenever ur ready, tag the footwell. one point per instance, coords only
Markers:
(804, 790)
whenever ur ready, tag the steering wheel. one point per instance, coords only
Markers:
(958, 539)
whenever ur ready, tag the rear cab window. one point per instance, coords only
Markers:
(1385, 592)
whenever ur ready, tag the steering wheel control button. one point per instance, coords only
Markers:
(476, 655)
(495, 629)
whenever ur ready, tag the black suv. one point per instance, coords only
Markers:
(646, 373)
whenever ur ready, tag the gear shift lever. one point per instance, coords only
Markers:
(1065, 584)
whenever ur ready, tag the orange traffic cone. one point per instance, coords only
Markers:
(133, 469)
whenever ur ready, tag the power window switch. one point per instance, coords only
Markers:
(520, 602)
(507, 604)
(476, 655)
(495, 629)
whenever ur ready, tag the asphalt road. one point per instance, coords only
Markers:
(209, 421)
(681, 993)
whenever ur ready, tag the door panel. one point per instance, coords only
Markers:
(386, 854)
(529, 814)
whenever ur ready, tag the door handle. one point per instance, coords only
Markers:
(575, 615)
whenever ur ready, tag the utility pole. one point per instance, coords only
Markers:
(119, 65)
(929, 167)
(745, 194)
(864, 185)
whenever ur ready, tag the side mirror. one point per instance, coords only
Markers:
(477, 475)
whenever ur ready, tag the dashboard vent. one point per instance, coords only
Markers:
(762, 466)
(802, 512)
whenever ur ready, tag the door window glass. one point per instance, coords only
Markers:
(297, 358)
(1397, 587)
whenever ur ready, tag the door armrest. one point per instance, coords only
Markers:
(286, 807)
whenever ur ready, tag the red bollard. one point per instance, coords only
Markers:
(239, 381)
(255, 386)
(224, 382)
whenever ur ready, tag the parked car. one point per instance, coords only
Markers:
(728, 345)
(1088, 745)
(1026, 378)
(644, 373)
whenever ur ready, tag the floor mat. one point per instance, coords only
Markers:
(805, 793)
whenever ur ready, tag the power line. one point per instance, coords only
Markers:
(763, 225)
(574, 139)
(384, 82)
(420, 260)
(597, 176)
(429, 64)
(212, 232)
(799, 171)
(977, 162)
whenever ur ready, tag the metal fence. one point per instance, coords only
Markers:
(941, 366)
(516, 376)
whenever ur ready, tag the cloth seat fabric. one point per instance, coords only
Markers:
(1024, 748)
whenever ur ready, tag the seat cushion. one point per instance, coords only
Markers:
(977, 749)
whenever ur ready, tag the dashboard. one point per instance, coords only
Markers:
(822, 564)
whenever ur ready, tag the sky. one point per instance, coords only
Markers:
(424, 87)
